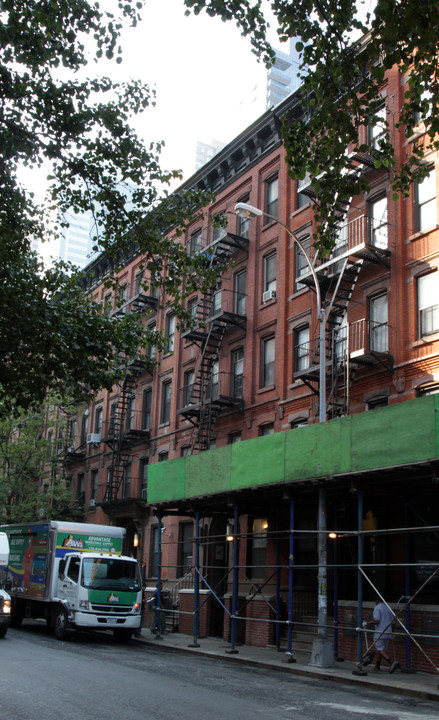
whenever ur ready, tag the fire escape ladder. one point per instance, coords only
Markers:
(203, 385)
(341, 370)
(120, 451)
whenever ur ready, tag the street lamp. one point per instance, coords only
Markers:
(322, 651)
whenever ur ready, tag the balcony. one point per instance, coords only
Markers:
(223, 391)
(75, 451)
(128, 429)
(216, 243)
(359, 239)
(224, 307)
(364, 342)
(135, 298)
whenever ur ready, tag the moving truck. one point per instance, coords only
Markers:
(73, 575)
(5, 600)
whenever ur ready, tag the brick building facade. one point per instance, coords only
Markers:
(248, 367)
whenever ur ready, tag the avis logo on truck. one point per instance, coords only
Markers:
(75, 572)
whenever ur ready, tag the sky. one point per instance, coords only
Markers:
(204, 72)
(205, 76)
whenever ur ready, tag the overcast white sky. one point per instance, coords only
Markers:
(204, 72)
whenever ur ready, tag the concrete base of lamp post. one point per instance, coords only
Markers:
(322, 654)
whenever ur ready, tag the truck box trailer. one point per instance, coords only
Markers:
(74, 576)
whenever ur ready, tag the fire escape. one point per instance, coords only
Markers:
(210, 391)
(349, 346)
(125, 427)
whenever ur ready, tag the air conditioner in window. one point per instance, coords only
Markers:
(94, 438)
(268, 295)
(92, 502)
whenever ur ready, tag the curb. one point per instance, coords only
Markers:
(422, 694)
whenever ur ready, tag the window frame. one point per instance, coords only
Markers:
(421, 203)
(165, 408)
(433, 308)
(268, 367)
(271, 198)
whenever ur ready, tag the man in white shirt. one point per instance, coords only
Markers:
(382, 619)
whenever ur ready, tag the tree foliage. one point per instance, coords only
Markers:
(342, 79)
(32, 482)
(78, 131)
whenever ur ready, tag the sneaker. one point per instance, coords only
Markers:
(394, 666)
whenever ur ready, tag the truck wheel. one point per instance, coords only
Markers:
(122, 636)
(60, 624)
(3, 631)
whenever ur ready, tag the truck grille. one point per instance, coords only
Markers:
(110, 609)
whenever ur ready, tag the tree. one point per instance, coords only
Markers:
(341, 88)
(32, 481)
(51, 335)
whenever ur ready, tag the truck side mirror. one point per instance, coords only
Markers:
(62, 567)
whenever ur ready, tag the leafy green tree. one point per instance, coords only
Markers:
(78, 131)
(341, 87)
(32, 481)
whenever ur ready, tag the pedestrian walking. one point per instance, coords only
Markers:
(382, 620)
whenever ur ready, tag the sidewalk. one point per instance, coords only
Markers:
(421, 685)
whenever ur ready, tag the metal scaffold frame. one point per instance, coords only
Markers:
(285, 621)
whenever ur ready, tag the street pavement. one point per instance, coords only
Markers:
(419, 685)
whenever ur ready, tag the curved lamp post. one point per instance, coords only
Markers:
(322, 651)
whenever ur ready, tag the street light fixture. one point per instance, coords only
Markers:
(322, 651)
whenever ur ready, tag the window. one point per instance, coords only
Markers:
(144, 477)
(267, 365)
(72, 434)
(267, 429)
(428, 304)
(122, 299)
(163, 456)
(84, 428)
(146, 409)
(112, 425)
(195, 242)
(301, 266)
(154, 552)
(131, 413)
(271, 196)
(425, 202)
(270, 272)
(377, 402)
(257, 548)
(170, 332)
(243, 221)
(378, 130)
(150, 350)
(240, 282)
(378, 222)
(192, 307)
(94, 484)
(301, 348)
(127, 481)
(139, 283)
(98, 420)
(166, 402)
(185, 537)
(80, 495)
(303, 200)
(219, 232)
(186, 451)
(234, 438)
(108, 306)
(73, 569)
(214, 382)
(237, 372)
(188, 387)
(378, 323)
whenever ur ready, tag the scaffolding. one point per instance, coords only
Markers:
(287, 610)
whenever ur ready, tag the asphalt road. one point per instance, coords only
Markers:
(90, 677)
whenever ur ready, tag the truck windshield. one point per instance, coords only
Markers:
(110, 574)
